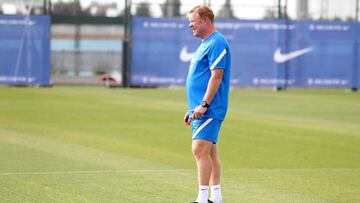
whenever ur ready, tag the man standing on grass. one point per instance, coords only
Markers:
(207, 88)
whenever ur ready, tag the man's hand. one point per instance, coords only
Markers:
(187, 119)
(199, 112)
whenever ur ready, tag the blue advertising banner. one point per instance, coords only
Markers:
(25, 50)
(277, 53)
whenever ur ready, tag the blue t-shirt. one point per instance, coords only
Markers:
(213, 53)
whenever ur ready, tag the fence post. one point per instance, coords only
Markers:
(355, 68)
(126, 67)
(281, 69)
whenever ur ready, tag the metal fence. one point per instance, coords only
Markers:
(78, 23)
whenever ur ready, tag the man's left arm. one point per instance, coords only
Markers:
(212, 88)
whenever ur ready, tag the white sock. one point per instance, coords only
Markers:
(203, 194)
(216, 194)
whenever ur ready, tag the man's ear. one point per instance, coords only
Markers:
(206, 20)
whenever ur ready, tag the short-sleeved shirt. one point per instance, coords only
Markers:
(213, 53)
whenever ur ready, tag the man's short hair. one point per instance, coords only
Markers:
(203, 11)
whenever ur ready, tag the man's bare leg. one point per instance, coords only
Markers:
(201, 152)
(216, 196)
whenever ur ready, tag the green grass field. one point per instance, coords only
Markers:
(91, 144)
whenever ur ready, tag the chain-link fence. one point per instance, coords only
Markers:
(88, 36)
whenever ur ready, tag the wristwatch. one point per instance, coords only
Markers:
(204, 104)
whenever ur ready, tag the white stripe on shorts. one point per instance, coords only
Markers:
(202, 126)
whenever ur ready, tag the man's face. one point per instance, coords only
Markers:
(196, 24)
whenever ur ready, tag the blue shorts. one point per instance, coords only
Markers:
(206, 128)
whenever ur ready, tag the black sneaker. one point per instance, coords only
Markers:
(209, 201)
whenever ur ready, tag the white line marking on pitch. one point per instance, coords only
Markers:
(170, 171)
(95, 171)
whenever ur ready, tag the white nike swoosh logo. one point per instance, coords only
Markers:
(185, 56)
(31, 79)
(281, 58)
